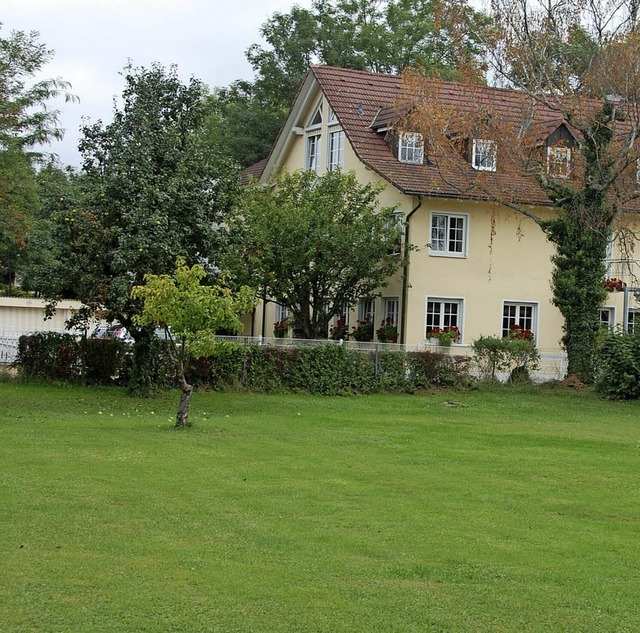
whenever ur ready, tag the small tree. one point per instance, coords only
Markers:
(190, 313)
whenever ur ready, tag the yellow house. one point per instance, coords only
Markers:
(480, 266)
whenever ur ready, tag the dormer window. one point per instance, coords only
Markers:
(484, 157)
(558, 161)
(410, 148)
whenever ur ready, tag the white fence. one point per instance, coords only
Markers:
(553, 363)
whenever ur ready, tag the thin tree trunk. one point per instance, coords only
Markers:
(185, 400)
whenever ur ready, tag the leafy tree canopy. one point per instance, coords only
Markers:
(315, 244)
(26, 122)
(441, 36)
(191, 313)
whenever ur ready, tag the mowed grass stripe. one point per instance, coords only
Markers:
(480, 511)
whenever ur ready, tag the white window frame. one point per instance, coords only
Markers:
(391, 308)
(332, 119)
(367, 309)
(317, 111)
(518, 319)
(312, 153)
(558, 161)
(484, 156)
(610, 321)
(335, 152)
(446, 240)
(632, 320)
(282, 312)
(411, 148)
(444, 317)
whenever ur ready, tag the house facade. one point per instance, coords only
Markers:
(479, 265)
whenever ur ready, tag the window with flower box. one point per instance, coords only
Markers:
(519, 316)
(448, 235)
(443, 314)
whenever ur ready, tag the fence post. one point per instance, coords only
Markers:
(376, 360)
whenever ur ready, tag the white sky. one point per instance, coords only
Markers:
(93, 39)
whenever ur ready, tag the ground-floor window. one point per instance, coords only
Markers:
(607, 318)
(443, 313)
(390, 308)
(633, 320)
(519, 315)
(366, 310)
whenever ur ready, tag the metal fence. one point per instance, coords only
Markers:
(553, 362)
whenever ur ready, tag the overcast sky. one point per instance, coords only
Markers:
(93, 39)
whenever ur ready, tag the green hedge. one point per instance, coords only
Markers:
(322, 369)
(619, 367)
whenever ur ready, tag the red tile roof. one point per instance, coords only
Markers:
(360, 98)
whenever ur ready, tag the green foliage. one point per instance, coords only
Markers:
(443, 37)
(314, 244)
(105, 361)
(190, 311)
(492, 354)
(26, 121)
(49, 356)
(619, 367)
(151, 193)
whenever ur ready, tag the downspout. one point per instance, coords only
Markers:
(405, 272)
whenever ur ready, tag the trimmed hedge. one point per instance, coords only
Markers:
(322, 369)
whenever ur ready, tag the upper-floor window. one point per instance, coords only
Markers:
(484, 155)
(316, 117)
(410, 148)
(332, 118)
(312, 159)
(336, 151)
(558, 161)
(448, 234)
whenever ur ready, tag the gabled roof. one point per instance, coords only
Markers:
(359, 98)
(367, 105)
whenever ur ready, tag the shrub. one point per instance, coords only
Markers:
(363, 331)
(619, 367)
(49, 355)
(516, 354)
(105, 361)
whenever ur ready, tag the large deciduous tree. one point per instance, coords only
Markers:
(315, 245)
(577, 64)
(27, 121)
(151, 193)
(441, 36)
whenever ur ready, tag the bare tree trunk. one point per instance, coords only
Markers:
(185, 401)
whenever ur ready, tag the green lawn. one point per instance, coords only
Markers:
(514, 511)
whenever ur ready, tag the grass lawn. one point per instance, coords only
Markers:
(515, 511)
